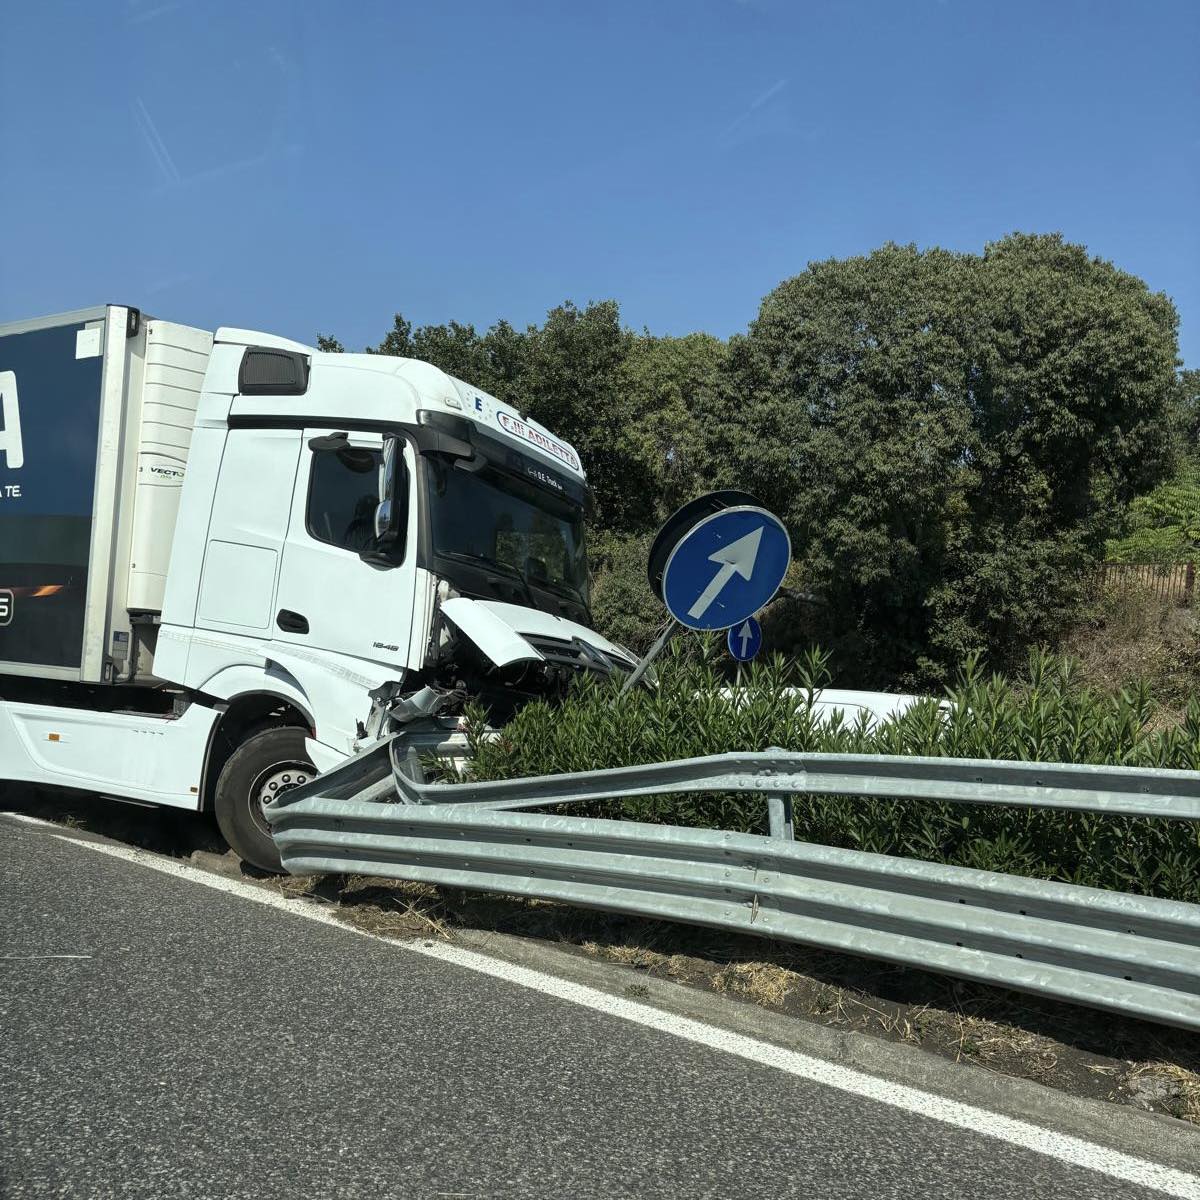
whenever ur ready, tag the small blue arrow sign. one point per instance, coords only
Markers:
(745, 640)
(725, 568)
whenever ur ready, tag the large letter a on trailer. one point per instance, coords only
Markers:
(10, 422)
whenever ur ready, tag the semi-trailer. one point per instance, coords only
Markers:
(227, 559)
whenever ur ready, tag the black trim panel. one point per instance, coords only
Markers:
(267, 371)
(291, 421)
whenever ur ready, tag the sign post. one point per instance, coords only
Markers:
(635, 675)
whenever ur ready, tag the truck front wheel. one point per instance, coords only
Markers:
(262, 767)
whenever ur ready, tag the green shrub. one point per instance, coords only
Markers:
(1052, 717)
(1163, 526)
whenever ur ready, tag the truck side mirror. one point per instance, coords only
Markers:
(391, 513)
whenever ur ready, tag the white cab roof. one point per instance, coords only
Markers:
(380, 388)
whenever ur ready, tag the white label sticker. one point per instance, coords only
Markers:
(10, 422)
(518, 428)
(87, 342)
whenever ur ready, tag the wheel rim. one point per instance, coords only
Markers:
(274, 781)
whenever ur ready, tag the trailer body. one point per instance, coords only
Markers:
(97, 409)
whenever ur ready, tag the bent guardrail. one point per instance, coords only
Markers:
(1125, 791)
(1129, 954)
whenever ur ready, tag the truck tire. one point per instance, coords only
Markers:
(267, 764)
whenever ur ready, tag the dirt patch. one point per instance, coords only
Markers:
(1076, 1050)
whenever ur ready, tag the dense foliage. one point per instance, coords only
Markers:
(1052, 718)
(951, 439)
(1188, 410)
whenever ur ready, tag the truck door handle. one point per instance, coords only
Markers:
(291, 622)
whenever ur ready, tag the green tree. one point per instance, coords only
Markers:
(1188, 411)
(951, 437)
(1071, 374)
(623, 606)
(673, 386)
(854, 430)
(573, 386)
(567, 374)
(456, 348)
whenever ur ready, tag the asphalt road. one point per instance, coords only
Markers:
(211, 1046)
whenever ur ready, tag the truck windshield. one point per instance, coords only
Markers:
(494, 517)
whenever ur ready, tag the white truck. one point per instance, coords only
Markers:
(225, 558)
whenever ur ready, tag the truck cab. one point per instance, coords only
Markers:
(336, 534)
(365, 522)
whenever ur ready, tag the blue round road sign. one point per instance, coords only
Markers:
(745, 640)
(726, 567)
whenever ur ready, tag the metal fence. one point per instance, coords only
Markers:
(1172, 582)
(1129, 954)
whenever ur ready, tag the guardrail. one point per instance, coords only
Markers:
(1128, 791)
(1129, 954)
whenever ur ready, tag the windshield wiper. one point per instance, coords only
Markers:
(564, 589)
(502, 567)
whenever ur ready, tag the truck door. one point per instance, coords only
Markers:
(330, 600)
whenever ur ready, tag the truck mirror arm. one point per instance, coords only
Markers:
(391, 513)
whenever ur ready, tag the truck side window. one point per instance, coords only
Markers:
(343, 491)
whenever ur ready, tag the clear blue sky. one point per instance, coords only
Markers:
(304, 167)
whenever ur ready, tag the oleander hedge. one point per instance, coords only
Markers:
(1050, 717)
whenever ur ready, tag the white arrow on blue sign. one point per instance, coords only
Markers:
(745, 640)
(726, 567)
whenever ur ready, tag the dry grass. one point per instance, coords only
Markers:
(1133, 634)
(764, 983)
(1179, 1086)
(406, 921)
(294, 886)
(627, 956)
(395, 908)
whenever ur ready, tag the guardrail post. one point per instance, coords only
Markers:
(779, 814)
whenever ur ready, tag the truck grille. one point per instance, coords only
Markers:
(576, 655)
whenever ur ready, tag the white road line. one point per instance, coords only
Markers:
(1062, 1147)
